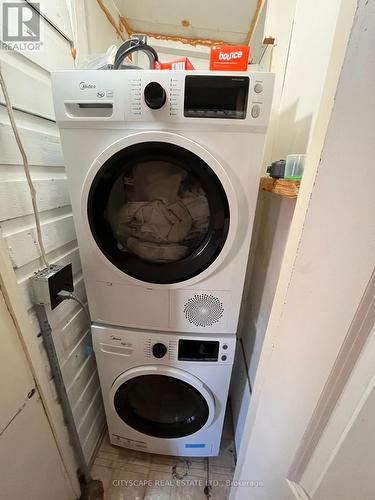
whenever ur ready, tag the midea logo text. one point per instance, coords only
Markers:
(84, 86)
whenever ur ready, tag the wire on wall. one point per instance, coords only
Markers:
(64, 295)
(26, 168)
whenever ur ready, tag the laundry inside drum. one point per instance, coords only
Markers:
(158, 211)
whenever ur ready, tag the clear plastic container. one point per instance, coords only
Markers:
(294, 166)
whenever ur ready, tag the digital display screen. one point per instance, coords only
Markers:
(216, 96)
(198, 350)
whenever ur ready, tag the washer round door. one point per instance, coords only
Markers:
(159, 211)
(162, 402)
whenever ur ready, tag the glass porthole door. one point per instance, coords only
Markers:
(158, 212)
(162, 405)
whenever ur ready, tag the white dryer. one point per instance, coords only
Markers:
(164, 393)
(163, 168)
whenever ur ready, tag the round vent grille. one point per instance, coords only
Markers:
(203, 310)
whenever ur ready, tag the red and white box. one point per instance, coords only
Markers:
(229, 57)
(178, 63)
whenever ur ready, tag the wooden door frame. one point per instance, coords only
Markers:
(16, 306)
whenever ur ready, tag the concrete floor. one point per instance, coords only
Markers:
(134, 475)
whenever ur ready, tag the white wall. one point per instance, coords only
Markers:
(100, 32)
(279, 25)
(304, 34)
(326, 271)
(274, 218)
(257, 49)
(271, 229)
(28, 80)
(302, 80)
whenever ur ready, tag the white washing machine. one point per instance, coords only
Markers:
(164, 393)
(163, 169)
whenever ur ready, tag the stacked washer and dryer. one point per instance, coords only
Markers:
(163, 169)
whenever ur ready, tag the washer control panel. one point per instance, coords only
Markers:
(189, 349)
(159, 347)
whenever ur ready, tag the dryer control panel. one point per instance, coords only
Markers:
(159, 97)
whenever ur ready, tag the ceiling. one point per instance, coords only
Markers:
(221, 20)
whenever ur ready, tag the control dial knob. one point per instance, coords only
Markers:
(159, 350)
(155, 95)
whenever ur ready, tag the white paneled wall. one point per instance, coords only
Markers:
(28, 80)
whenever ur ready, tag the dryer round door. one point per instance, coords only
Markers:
(160, 208)
(162, 402)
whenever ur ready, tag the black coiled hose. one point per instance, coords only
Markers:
(133, 45)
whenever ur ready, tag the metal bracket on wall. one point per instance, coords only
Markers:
(61, 391)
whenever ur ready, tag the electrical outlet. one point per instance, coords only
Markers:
(48, 282)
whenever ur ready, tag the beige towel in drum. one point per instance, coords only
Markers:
(159, 214)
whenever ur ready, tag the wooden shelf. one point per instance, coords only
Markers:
(282, 187)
